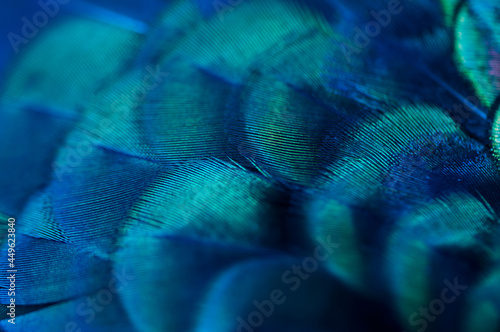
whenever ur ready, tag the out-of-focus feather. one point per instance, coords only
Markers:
(175, 23)
(76, 314)
(450, 7)
(325, 219)
(483, 305)
(232, 298)
(171, 275)
(447, 238)
(477, 48)
(37, 134)
(107, 15)
(62, 69)
(431, 45)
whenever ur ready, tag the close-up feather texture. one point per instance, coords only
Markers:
(250, 165)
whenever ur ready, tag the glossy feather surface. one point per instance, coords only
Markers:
(253, 165)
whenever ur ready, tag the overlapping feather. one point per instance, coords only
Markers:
(208, 158)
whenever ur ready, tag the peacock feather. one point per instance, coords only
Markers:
(251, 165)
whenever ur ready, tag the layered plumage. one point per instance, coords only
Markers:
(182, 176)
